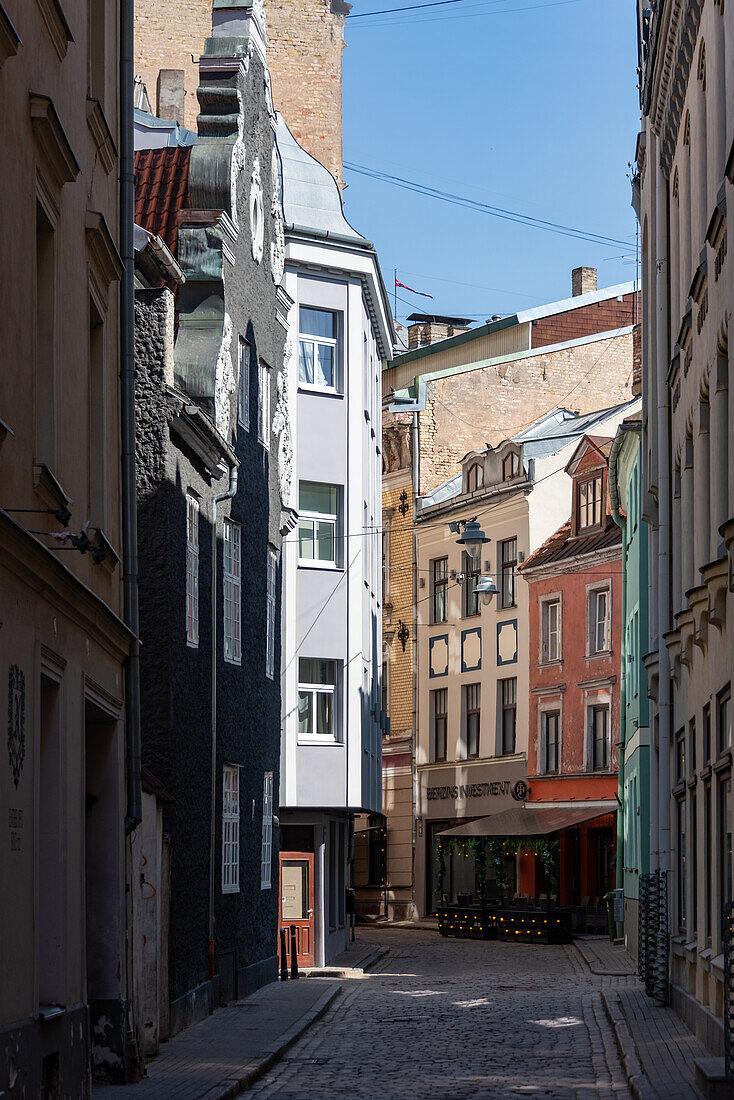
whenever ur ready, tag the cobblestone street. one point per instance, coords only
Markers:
(460, 1019)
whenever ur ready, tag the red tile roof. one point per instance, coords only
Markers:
(161, 190)
(562, 547)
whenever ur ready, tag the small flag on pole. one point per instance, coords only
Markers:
(410, 288)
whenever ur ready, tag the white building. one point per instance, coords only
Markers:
(331, 761)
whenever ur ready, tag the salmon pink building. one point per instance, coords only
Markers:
(575, 604)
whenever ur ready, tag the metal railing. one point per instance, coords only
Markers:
(653, 936)
(728, 938)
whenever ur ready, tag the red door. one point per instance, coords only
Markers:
(296, 903)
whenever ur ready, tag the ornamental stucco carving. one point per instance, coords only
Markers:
(225, 382)
(282, 429)
(277, 244)
(257, 213)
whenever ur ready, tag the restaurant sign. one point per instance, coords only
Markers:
(471, 788)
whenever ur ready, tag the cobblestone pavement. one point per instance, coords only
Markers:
(463, 1019)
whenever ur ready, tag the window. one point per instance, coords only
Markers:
(472, 700)
(97, 44)
(266, 853)
(45, 324)
(599, 737)
(680, 756)
(508, 561)
(724, 842)
(192, 570)
(97, 433)
(243, 403)
(706, 734)
(263, 419)
(599, 632)
(232, 592)
(550, 726)
(510, 466)
(440, 579)
(550, 647)
(317, 698)
(231, 831)
(270, 621)
(472, 569)
(723, 706)
(475, 477)
(680, 808)
(317, 348)
(692, 746)
(708, 878)
(589, 502)
(318, 507)
(508, 705)
(439, 702)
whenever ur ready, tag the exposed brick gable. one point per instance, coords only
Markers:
(584, 321)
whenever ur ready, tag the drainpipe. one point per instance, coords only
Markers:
(212, 824)
(621, 522)
(414, 643)
(134, 810)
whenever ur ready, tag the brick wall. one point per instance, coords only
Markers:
(574, 323)
(401, 598)
(466, 411)
(305, 46)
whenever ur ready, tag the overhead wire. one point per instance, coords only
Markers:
(406, 19)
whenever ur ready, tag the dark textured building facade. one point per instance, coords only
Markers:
(213, 462)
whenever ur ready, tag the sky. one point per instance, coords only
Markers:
(526, 105)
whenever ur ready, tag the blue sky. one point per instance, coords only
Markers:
(532, 110)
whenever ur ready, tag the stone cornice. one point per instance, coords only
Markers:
(52, 140)
(100, 131)
(102, 249)
(674, 35)
(36, 566)
(9, 37)
(58, 28)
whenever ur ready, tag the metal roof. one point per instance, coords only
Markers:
(528, 820)
(439, 317)
(312, 201)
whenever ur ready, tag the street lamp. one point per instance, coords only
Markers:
(472, 537)
(486, 588)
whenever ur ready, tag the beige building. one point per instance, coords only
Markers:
(473, 658)
(685, 159)
(65, 651)
(305, 43)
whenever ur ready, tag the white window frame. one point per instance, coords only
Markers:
(232, 591)
(554, 706)
(599, 699)
(192, 570)
(312, 736)
(333, 343)
(271, 607)
(230, 829)
(263, 405)
(243, 397)
(266, 853)
(546, 656)
(590, 505)
(320, 517)
(594, 623)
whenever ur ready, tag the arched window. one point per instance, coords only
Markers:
(475, 477)
(510, 466)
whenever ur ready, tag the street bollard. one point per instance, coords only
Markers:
(294, 953)
(283, 956)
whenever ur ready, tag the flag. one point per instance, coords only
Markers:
(410, 288)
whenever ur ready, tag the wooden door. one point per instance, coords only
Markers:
(297, 904)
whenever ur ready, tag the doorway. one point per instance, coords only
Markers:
(297, 903)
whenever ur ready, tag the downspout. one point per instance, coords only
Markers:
(233, 473)
(621, 522)
(416, 486)
(134, 809)
(662, 239)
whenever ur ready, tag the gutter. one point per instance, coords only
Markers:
(621, 522)
(134, 808)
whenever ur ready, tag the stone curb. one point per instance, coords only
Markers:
(638, 1082)
(258, 1067)
(602, 973)
(368, 962)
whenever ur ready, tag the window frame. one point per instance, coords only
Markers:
(507, 568)
(192, 570)
(548, 601)
(593, 709)
(514, 471)
(305, 687)
(545, 715)
(231, 836)
(243, 395)
(507, 707)
(472, 710)
(263, 404)
(470, 598)
(475, 473)
(583, 506)
(723, 706)
(593, 592)
(442, 716)
(271, 607)
(266, 844)
(334, 343)
(232, 592)
(312, 517)
(439, 583)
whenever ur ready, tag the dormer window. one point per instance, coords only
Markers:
(589, 502)
(510, 466)
(474, 477)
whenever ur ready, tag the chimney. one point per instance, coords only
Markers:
(428, 329)
(170, 92)
(583, 280)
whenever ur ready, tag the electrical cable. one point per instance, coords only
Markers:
(437, 3)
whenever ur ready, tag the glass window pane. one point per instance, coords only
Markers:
(312, 670)
(326, 365)
(313, 497)
(306, 539)
(325, 547)
(305, 362)
(317, 322)
(305, 711)
(325, 713)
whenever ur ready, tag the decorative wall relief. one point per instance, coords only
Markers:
(277, 244)
(282, 429)
(507, 642)
(438, 656)
(225, 382)
(257, 212)
(16, 721)
(471, 650)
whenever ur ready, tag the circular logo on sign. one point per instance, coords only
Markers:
(520, 791)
